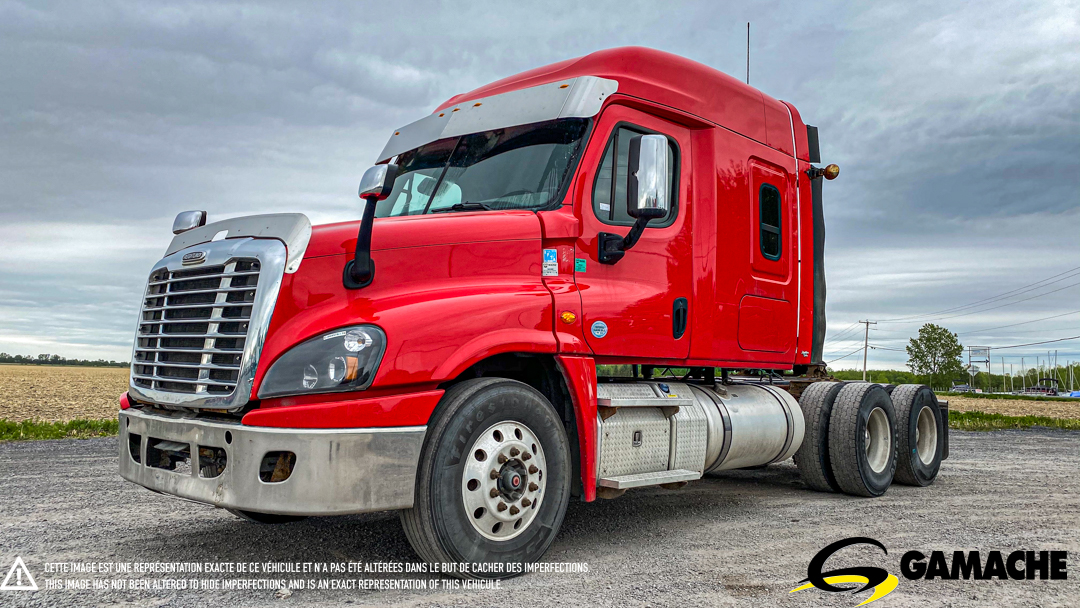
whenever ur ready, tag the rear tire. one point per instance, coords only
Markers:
(812, 458)
(862, 439)
(266, 518)
(920, 434)
(493, 481)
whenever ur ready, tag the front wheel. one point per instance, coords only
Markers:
(493, 480)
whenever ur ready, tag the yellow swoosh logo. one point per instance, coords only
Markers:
(885, 588)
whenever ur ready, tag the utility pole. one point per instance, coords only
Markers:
(866, 345)
(1023, 383)
(1012, 387)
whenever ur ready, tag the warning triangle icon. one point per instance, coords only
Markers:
(19, 578)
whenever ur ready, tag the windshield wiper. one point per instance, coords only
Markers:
(466, 206)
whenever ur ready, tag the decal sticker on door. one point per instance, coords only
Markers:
(551, 263)
(599, 329)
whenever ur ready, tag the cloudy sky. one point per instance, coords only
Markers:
(956, 125)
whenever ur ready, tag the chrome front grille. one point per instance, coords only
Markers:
(194, 326)
(203, 323)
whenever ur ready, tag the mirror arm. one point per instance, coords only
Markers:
(612, 247)
(360, 271)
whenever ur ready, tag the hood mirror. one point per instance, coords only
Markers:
(188, 220)
(376, 185)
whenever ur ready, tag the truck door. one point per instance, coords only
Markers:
(767, 320)
(637, 307)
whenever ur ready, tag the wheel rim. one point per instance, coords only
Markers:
(926, 436)
(503, 482)
(878, 440)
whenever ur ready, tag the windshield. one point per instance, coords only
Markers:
(515, 168)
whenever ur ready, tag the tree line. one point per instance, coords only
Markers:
(47, 359)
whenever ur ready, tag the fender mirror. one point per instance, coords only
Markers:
(646, 194)
(376, 185)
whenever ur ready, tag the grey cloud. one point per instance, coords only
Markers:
(958, 133)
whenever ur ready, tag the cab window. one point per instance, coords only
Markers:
(769, 214)
(610, 184)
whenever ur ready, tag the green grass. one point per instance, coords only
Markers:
(1019, 397)
(979, 421)
(73, 429)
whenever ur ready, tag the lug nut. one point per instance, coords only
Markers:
(526, 456)
(525, 502)
(494, 492)
(514, 451)
(502, 506)
(494, 474)
(533, 487)
(502, 459)
(514, 510)
(533, 469)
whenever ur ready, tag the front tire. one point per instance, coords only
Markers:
(493, 480)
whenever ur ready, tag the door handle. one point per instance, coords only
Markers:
(678, 318)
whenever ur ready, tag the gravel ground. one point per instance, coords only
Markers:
(742, 538)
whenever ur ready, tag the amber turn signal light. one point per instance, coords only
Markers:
(568, 317)
(831, 172)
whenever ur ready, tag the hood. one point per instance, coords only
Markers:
(425, 230)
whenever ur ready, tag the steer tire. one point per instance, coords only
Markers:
(460, 512)
(266, 518)
(863, 410)
(812, 458)
(919, 419)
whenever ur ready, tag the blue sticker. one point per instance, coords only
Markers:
(599, 329)
(550, 255)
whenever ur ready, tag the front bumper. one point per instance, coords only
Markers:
(337, 471)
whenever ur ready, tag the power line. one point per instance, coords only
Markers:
(990, 299)
(845, 356)
(1037, 343)
(974, 312)
(1015, 324)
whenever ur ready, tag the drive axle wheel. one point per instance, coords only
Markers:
(920, 434)
(812, 458)
(862, 439)
(493, 480)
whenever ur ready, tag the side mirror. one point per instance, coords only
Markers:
(378, 182)
(647, 182)
(646, 194)
(188, 220)
(376, 185)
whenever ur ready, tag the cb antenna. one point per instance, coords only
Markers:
(747, 52)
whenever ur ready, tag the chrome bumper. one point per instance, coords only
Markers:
(337, 471)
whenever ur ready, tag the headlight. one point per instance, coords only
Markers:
(342, 360)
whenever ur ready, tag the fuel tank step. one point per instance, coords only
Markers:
(637, 480)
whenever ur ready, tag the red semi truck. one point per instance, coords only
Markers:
(440, 356)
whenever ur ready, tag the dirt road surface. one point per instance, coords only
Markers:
(1016, 407)
(55, 393)
(742, 538)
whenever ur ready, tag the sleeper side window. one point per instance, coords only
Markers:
(769, 216)
(610, 184)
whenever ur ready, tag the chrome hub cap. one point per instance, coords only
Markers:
(878, 440)
(926, 436)
(504, 480)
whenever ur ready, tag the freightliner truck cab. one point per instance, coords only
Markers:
(440, 355)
